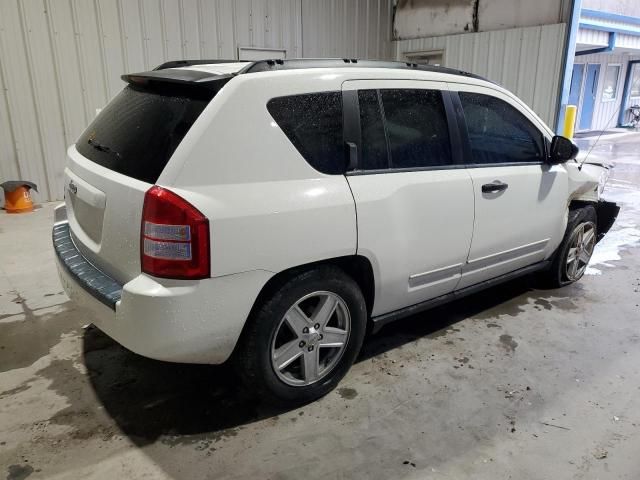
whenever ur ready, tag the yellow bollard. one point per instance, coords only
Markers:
(569, 121)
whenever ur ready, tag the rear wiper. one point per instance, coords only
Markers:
(102, 148)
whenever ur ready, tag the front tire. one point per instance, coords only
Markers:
(302, 340)
(576, 249)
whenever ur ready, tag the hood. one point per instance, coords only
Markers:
(594, 158)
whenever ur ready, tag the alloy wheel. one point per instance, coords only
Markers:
(583, 241)
(310, 339)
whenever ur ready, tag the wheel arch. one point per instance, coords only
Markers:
(606, 214)
(357, 267)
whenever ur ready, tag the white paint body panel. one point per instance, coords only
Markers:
(523, 224)
(269, 211)
(517, 227)
(417, 251)
(414, 227)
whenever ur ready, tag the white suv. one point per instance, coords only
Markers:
(273, 212)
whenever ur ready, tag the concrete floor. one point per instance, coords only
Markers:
(515, 382)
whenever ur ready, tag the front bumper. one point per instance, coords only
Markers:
(172, 320)
(606, 213)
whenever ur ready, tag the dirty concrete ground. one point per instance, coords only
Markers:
(516, 382)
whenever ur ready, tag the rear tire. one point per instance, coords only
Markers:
(574, 253)
(302, 340)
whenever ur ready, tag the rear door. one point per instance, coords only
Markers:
(414, 198)
(520, 200)
(115, 161)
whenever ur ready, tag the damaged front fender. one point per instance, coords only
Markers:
(586, 184)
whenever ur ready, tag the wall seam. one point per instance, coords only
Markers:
(163, 32)
(143, 32)
(183, 40)
(123, 37)
(27, 46)
(201, 42)
(103, 57)
(56, 70)
(81, 68)
(12, 133)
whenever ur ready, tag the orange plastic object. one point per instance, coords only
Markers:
(18, 201)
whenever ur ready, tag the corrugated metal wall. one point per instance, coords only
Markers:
(60, 60)
(347, 29)
(605, 114)
(527, 61)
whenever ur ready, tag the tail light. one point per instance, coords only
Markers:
(174, 237)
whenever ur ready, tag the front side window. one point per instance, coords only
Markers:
(498, 132)
(313, 123)
(403, 128)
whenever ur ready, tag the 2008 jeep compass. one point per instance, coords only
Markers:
(274, 211)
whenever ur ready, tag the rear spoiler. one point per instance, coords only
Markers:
(182, 77)
(172, 72)
(188, 63)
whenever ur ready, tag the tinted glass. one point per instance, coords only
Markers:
(499, 133)
(138, 131)
(416, 127)
(374, 142)
(313, 123)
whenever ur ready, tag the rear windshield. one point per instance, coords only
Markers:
(138, 131)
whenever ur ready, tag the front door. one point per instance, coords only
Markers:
(589, 96)
(520, 200)
(414, 198)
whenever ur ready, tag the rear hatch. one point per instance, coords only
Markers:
(121, 155)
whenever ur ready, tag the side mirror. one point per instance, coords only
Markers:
(562, 150)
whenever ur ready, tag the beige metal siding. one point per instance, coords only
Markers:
(527, 61)
(60, 60)
(359, 28)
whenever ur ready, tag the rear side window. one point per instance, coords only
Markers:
(138, 131)
(313, 123)
(403, 128)
(498, 132)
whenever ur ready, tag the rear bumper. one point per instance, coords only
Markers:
(171, 320)
(100, 286)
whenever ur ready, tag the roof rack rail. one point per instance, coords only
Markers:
(212, 80)
(188, 63)
(299, 63)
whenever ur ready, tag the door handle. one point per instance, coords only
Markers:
(496, 186)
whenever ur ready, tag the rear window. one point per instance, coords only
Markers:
(138, 131)
(313, 123)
